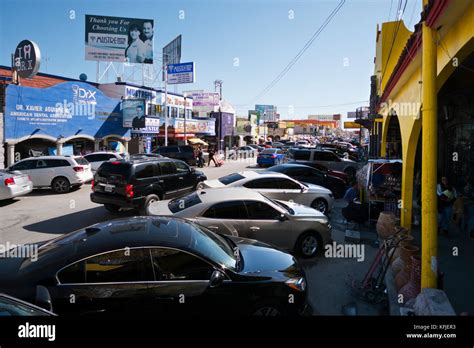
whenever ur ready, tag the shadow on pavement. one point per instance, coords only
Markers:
(5, 202)
(49, 192)
(75, 221)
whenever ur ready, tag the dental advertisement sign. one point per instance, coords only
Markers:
(119, 39)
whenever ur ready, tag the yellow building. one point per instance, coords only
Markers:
(422, 95)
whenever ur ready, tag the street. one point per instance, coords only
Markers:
(43, 215)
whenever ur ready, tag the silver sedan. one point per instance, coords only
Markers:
(14, 184)
(277, 186)
(249, 214)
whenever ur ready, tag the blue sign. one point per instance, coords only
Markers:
(64, 110)
(181, 73)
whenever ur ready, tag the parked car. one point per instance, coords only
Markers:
(320, 167)
(141, 155)
(247, 151)
(306, 174)
(270, 157)
(61, 173)
(138, 182)
(181, 152)
(14, 184)
(327, 159)
(97, 158)
(246, 213)
(278, 145)
(142, 265)
(257, 147)
(277, 186)
(13, 307)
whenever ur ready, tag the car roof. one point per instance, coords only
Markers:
(291, 165)
(261, 174)
(132, 232)
(46, 157)
(227, 193)
(103, 152)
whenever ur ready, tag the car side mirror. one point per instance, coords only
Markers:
(217, 278)
(282, 217)
(43, 298)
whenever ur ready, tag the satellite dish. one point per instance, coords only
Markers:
(83, 77)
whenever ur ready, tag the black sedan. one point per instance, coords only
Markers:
(311, 175)
(158, 265)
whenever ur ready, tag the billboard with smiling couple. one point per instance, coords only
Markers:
(119, 39)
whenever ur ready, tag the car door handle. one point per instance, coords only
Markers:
(254, 228)
(161, 181)
(161, 298)
(181, 178)
(213, 227)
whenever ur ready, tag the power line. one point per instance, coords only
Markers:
(300, 53)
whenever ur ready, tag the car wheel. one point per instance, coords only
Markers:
(149, 200)
(308, 245)
(61, 185)
(112, 208)
(350, 171)
(320, 204)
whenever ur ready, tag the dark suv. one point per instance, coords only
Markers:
(141, 181)
(181, 152)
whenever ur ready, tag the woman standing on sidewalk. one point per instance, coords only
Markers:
(446, 197)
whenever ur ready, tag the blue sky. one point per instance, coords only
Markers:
(259, 35)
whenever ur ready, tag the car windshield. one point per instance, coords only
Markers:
(231, 178)
(182, 203)
(81, 161)
(214, 246)
(114, 168)
(283, 205)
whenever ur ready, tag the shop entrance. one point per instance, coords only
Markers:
(394, 139)
(34, 147)
(80, 146)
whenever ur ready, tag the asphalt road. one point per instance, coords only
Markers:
(43, 215)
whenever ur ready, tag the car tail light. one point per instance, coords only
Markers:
(9, 181)
(78, 169)
(115, 162)
(129, 190)
(274, 156)
(92, 184)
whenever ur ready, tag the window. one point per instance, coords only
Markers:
(185, 202)
(286, 184)
(127, 265)
(302, 155)
(114, 169)
(167, 168)
(170, 264)
(328, 156)
(227, 210)
(229, 179)
(181, 167)
(100, 157)
(41, 164)
(280, 152)
(295, 171)
(25, 165)
(144, 171)
(261, 211)
(266, 183)
(81, 161)
(186, 149)
(57, 163)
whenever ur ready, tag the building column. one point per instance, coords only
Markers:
(96, 145)
(10, 154)
(59, 148)
(429, 209)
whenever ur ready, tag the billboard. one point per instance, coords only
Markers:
(181, 73)
(27, 59)
(204, 98)
(133, 111)
(172, 53)
(351, 125)
(119, 39)
(266, 113)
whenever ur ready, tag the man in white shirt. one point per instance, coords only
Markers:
(148, 41)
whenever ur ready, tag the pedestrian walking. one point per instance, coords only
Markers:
(446, 197)
(211, 157)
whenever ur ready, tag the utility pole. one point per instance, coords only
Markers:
(185, 139)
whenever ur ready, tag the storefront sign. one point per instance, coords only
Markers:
(119, 39)
(64, 110)
(27, 59)
(351, 125)
(152, 127)
(206, 127)
(205, 99)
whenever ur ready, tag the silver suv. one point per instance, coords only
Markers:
(326, 158)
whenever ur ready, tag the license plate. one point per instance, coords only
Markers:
(109, 188)
(26, 187)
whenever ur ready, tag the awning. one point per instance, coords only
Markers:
(197, 141)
